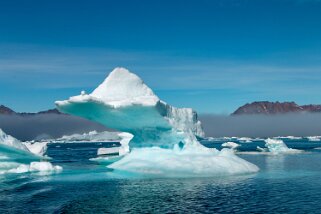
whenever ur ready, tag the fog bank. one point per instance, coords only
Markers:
(45, 126)
(262, 125)
(54, 126)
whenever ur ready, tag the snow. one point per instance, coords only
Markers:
(231, 145)
(122, 88)
(160, 138)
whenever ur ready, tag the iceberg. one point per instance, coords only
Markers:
(124, 102)
(314, 138)
(231, 145)
(276, 146)
(10, 141)
(160, 138)
(18, 157)
(92, 136)
(289, 137)
(245, 139)
(37, 148)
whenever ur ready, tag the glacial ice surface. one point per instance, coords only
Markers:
(163, 138)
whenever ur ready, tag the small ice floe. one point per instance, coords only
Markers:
(245, 139)
(289, 137)
(314, 138)
(108, 155)
(108, 151)
(38, 148)
(92, 136)
(231, 145)
(275, 146)
(41, 167)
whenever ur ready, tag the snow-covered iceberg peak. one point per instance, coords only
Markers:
(122, 88)
(124, 102)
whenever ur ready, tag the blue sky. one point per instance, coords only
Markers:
(210, 55)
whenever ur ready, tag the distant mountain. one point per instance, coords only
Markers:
(267, 108)
(44, 124)
(4, 110)
(49, 111)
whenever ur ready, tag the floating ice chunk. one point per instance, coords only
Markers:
(108, 151)
(289, 137)
(113, 154)
(245, 139)
(92, 136)
(20, 158)
(10, 141)
(38, 148)
(314, 138)
(279, 147)
(43, 167)
(231, 145)
(34, 167)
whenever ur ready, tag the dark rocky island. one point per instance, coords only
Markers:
(267, 108)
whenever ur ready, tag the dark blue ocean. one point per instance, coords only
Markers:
(285, 184)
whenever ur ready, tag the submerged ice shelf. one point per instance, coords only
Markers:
(164, 138)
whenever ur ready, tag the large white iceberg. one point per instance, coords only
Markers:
(164, 137)
(18, 157)
(124, 102)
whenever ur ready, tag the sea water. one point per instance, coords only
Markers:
(285, 183)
